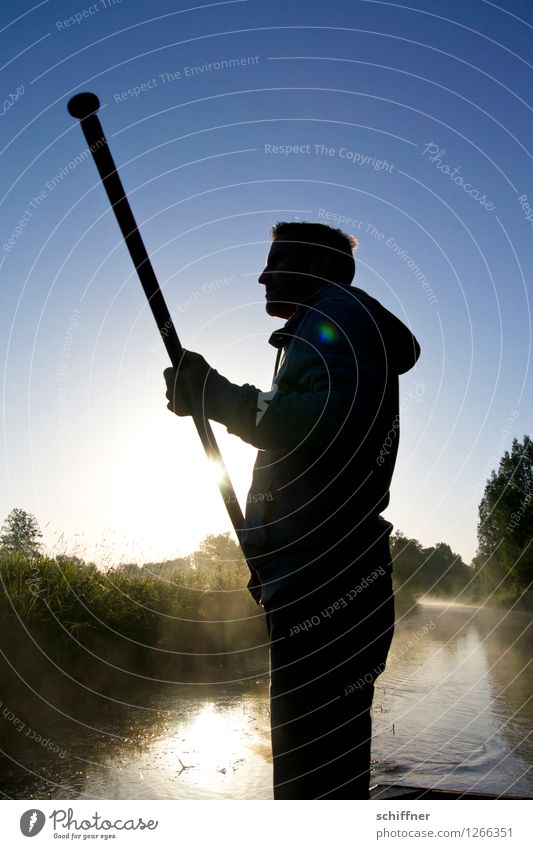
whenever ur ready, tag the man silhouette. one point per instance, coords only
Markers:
(327, 433)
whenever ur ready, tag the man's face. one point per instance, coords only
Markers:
(288, 277)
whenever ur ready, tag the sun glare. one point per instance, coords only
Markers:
(216, 471)
(212, 742)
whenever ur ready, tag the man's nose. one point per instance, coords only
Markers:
(262, 277)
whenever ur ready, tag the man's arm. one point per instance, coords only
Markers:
(337, 377)
(337, 390)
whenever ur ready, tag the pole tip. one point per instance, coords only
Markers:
(82, 105)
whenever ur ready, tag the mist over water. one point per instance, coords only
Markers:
(459, 696)
(452, 710)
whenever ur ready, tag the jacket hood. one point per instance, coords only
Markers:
(401, 345)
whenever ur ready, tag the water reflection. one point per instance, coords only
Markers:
(208, 749)
(452, 710)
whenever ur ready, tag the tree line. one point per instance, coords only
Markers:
(501, 571)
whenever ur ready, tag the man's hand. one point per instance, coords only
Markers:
(186, 382)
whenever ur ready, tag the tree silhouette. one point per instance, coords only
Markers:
(408, 558)
(505, 530)
(445, 570)
(20, 533)
(219, 563)
(435, 570)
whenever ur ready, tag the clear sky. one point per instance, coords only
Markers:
(407, 125)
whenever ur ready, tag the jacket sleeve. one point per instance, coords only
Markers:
(334, 382)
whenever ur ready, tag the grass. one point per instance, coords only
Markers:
(154, 617)
(188, 614)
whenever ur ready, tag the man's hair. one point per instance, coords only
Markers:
(334, 244)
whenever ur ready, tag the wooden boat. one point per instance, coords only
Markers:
(401, 791)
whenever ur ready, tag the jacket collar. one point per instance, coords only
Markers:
(280, 338)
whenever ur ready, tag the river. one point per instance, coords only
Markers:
(453, 709)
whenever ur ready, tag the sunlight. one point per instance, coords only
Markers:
(217, 737)
(216, 471)
(215, 740)
(218, 747)
(161, 496)
(211, 732)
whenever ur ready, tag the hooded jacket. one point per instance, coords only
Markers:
(327, 433)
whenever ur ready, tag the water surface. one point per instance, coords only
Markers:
(453, 709)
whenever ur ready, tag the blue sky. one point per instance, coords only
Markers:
(408, 126)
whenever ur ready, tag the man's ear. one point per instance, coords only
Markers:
(320, 267)
(330, 267)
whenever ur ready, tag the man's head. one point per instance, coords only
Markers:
(303, 257)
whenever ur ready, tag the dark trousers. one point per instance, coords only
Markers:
(326, 651)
